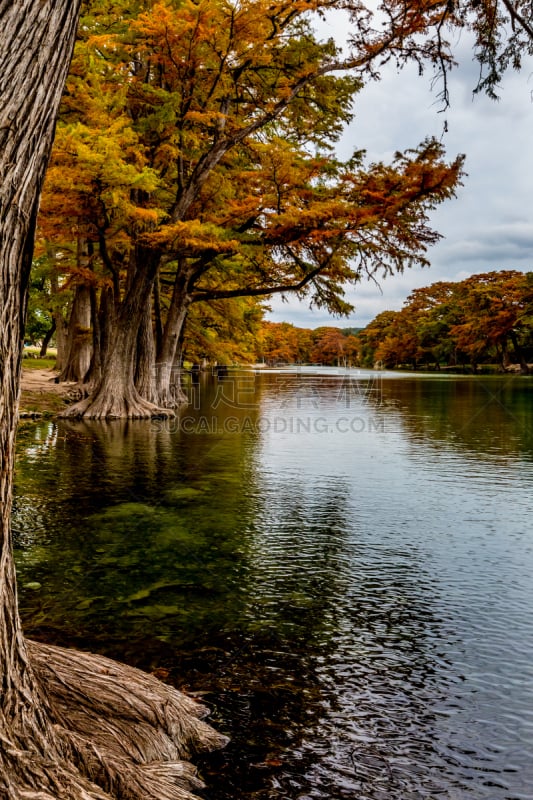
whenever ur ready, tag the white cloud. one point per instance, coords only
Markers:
(489, 225)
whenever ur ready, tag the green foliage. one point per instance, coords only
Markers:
(39, 315)
(32, 360)
(223, 332)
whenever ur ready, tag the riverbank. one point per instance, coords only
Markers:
(40, 395)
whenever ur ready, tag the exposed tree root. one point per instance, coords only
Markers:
(79, 392)
(115, 406)
(103, 688)
(121, 733)
(172, 397)
(32, 776)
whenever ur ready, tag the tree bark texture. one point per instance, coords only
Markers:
(47, 338)
(116, 396)
(169, 393)
(61, 326)
(72, 726)
(79, 337)
(145, 364)
(35, 43)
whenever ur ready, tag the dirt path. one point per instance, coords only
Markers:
(40, 395)
(41, 380)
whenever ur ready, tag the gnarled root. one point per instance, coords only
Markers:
(124, 733)
(172, 397)
(115, 406)
(79, 391)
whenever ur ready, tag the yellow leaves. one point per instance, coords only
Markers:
(94, 174)
(208, 118)
(178, 38)
(102, 42)
(219, 113)
(192, 239)
(229, 61)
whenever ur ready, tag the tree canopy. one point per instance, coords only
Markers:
(502, 32)
(195, 162)
(486, 319)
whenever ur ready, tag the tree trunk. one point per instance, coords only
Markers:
(84, 363)
(71, 725)
(35, 42)
(168, 385)
(106, 320)
(116, 396)
(61, 327)
(95, 369)
(99, 323)
(47, 339)
(524, 369)
(79, 338)
(145, 361)
(158, 323)
(503, 354)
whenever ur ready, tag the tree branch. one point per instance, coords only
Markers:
(516, 16)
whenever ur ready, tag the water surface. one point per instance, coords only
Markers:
(340, 563)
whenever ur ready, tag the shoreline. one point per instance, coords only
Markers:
(40, 395)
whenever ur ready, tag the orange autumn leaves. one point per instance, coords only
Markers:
(205, 131)
(485, 318)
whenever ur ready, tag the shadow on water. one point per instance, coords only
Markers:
(335, 571)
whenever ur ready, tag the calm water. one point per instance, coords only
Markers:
(340, 564)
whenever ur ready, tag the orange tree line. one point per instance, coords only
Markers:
(487, 318)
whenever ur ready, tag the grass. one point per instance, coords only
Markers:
(43, 404)
(30, 362)
(32, 359)
(40, 401)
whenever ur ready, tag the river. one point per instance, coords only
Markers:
(338, 562)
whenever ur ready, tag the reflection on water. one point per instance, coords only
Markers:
(340, 564)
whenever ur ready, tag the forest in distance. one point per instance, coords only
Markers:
(484, 322)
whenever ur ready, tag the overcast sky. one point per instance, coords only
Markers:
(489, 226)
